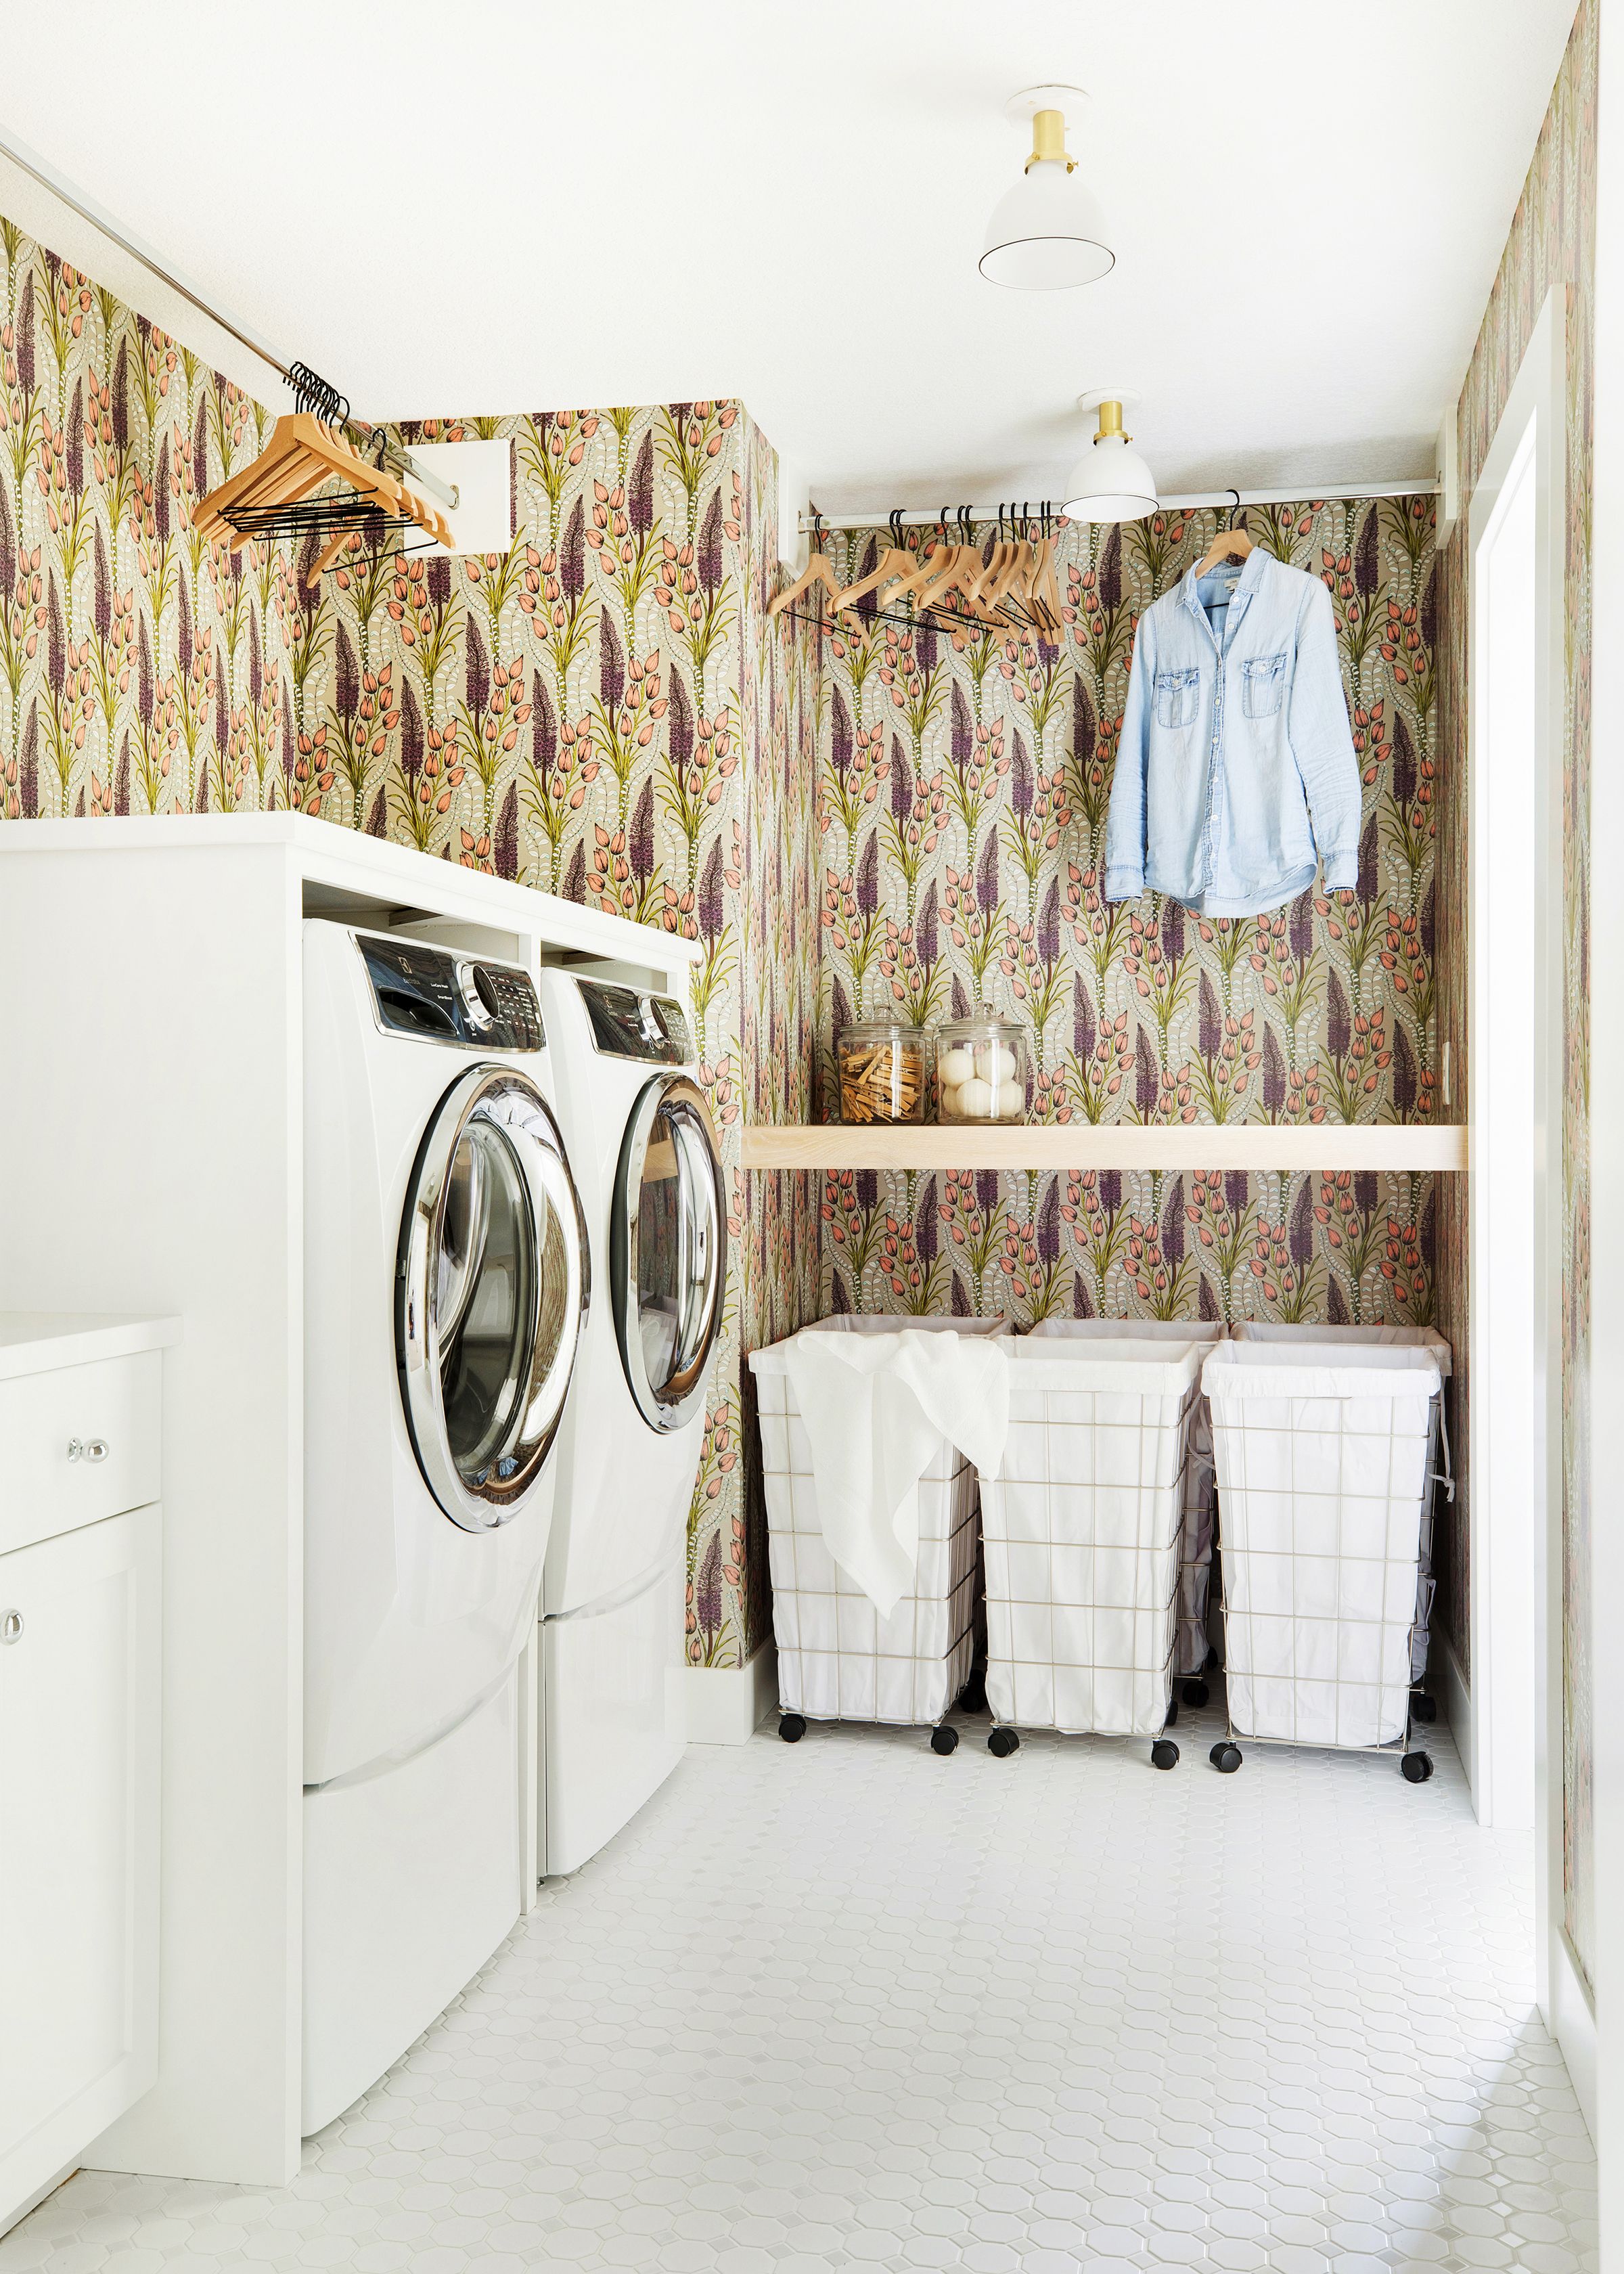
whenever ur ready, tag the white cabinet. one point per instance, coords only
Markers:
(80, 1753)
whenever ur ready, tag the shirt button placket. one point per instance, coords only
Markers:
(1214, 770)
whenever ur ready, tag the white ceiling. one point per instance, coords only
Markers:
(523, 204)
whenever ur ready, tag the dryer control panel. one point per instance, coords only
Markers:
(440, 995)
(627, 1025)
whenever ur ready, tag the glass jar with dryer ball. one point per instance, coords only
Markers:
(982, 1070)
(881, 1066)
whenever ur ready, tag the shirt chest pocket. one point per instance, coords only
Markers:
(1263, 683)
(1177, 693)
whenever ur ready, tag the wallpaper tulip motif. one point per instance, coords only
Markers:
(963, 793)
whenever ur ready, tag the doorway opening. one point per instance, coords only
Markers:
(1513, 1744)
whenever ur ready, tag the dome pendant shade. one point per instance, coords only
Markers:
(1110, 481)
(1046, 234)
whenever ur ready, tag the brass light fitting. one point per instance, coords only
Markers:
(1048, 140)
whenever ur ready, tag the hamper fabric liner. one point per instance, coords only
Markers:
(838, 1660)
(1082, 1533)
(1422, 1338)
(1195, 1540)
(1321, 1451)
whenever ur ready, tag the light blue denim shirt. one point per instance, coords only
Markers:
(1235, 766)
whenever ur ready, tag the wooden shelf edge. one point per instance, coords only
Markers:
(1390, 1146)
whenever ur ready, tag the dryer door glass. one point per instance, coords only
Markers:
(669, 1261)
(492, 1287)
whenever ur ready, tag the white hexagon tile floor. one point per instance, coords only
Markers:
(846, 2004)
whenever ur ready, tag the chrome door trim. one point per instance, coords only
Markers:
(686, 1390)
(509, 1103)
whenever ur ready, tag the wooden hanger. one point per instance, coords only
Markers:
(1231, 544)
(893, 564)
(949, 565)
(819, 570)
(1007, 576)
(1045, 591)
(303, 455)
(931, 572)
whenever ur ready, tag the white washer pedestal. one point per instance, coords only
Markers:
(615, 1711)
(395, 1925)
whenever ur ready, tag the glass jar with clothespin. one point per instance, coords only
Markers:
(881, 1065)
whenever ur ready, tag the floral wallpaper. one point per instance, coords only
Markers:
(602, 710)
(1550, 246)
(963, 791)
(141, 671)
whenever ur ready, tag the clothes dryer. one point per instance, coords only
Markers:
(446, 1279)
(644, 1150)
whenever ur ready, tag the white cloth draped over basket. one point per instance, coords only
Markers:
(1082, 1533)
(839, 1657)
(1321, 1451)
(1195, 1538)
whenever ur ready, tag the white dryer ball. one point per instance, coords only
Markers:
(994, 1062)
(955, 1066)
(975, 1099)
(1011, 1098)
(948, 1106)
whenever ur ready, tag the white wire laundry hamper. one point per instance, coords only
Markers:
(1321, 1452)
(1194, 1655)
(839, 1659)
(1081, 1538)
(1439, 1471)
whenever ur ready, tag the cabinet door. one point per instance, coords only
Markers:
(79, 1840)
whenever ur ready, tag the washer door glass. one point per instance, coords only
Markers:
(669, 1251)
(491, 1295)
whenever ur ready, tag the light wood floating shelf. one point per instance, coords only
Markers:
(1116, 1145)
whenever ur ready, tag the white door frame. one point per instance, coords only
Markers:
(1606, 1576)
(1514, 1755)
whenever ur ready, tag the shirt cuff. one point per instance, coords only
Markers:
(1341, 870)
(1123, 884)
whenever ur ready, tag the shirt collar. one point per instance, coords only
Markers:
(1252, 572)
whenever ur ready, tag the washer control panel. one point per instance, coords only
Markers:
(442, 995)
(628, 1025)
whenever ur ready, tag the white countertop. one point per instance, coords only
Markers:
(35, 1342)
(327, 852)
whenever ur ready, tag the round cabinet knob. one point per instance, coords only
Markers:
(88, 1448)
(11, 1626)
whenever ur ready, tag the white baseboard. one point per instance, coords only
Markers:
(726, 1704)
(1453, 1693)
(1572, 2022)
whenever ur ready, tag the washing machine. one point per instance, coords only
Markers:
(644, 1150)
(447, 1280)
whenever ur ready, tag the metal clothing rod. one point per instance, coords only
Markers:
(29, 161)
(1032, 510)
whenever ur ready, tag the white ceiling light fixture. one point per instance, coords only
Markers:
(1046, 235)
(1110, 481)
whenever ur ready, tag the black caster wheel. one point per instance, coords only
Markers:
(1164, 1754)
(1172, 1715)
(1225, 1757)
(1212, 1657)
(1422, 1708)
(973, 1697)
(1196, 1693)
(1001, 1742)
(792, 1727)
(1417, 1767)
(943, 1739)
